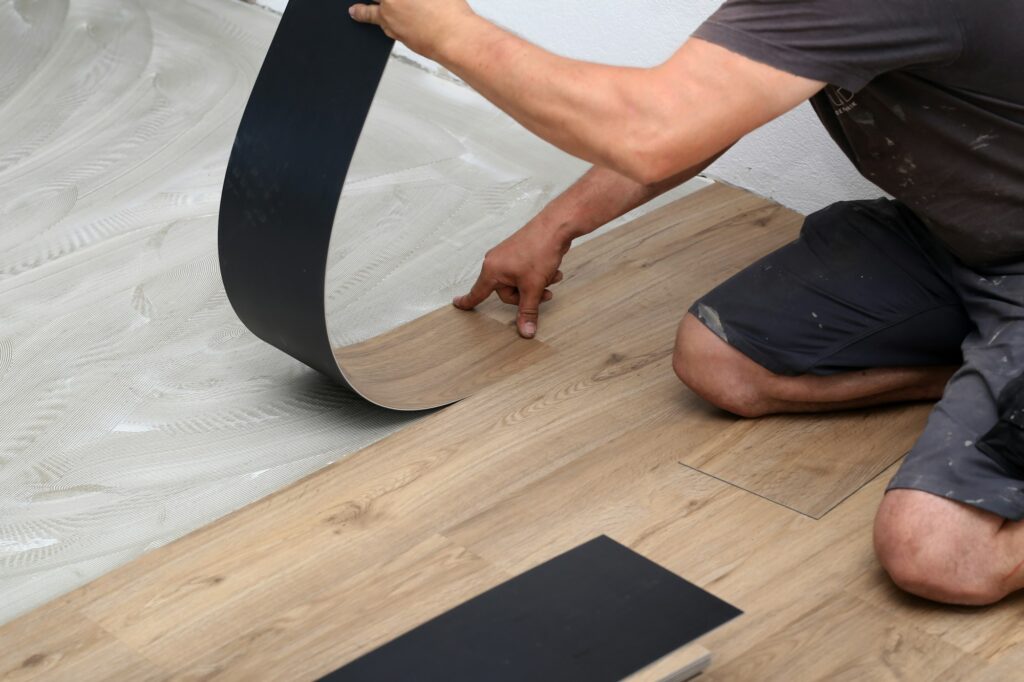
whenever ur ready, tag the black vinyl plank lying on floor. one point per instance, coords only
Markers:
(598, 612)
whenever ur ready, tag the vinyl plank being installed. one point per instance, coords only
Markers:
(279, 215)
(438, 359)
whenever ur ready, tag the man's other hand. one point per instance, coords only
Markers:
(519, 270)
(421, 24)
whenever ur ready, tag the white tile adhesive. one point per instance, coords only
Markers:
(134, 406)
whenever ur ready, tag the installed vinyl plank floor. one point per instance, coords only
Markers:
(586, 440)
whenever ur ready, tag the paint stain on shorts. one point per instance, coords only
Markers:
(709, 316)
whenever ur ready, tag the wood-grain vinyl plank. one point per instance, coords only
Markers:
(594, 437)
(402, 368)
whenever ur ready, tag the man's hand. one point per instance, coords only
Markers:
(519, 270)
(421, 24)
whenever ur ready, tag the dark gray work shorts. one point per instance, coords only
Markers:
(866, 285)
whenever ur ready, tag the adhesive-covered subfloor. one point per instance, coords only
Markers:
(134, 406)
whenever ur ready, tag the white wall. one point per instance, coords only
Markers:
(791, 160)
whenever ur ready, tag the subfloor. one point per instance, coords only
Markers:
(598, 436)
(134, 406)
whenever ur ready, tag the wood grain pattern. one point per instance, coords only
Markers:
(585, 440)
(75, 649)
(873, 648)
(437, 359)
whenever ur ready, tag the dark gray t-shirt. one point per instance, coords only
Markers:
(926, 97)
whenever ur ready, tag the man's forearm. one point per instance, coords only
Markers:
(600, 196)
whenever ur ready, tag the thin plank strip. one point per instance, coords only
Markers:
(679, 666)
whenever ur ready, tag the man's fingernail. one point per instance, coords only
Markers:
(529, 328)
(352, 11)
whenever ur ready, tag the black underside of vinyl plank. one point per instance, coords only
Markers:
(287, 168)
(598, 612)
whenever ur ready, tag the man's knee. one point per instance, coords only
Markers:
(716, 371)
(938, 549)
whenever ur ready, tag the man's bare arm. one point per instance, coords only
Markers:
(648, 124)
(646, 129)
(602, 195)
(522, 267)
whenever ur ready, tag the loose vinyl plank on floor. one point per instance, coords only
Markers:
(772, 457)
(585, 440)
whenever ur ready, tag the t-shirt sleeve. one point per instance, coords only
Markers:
(843, 42)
